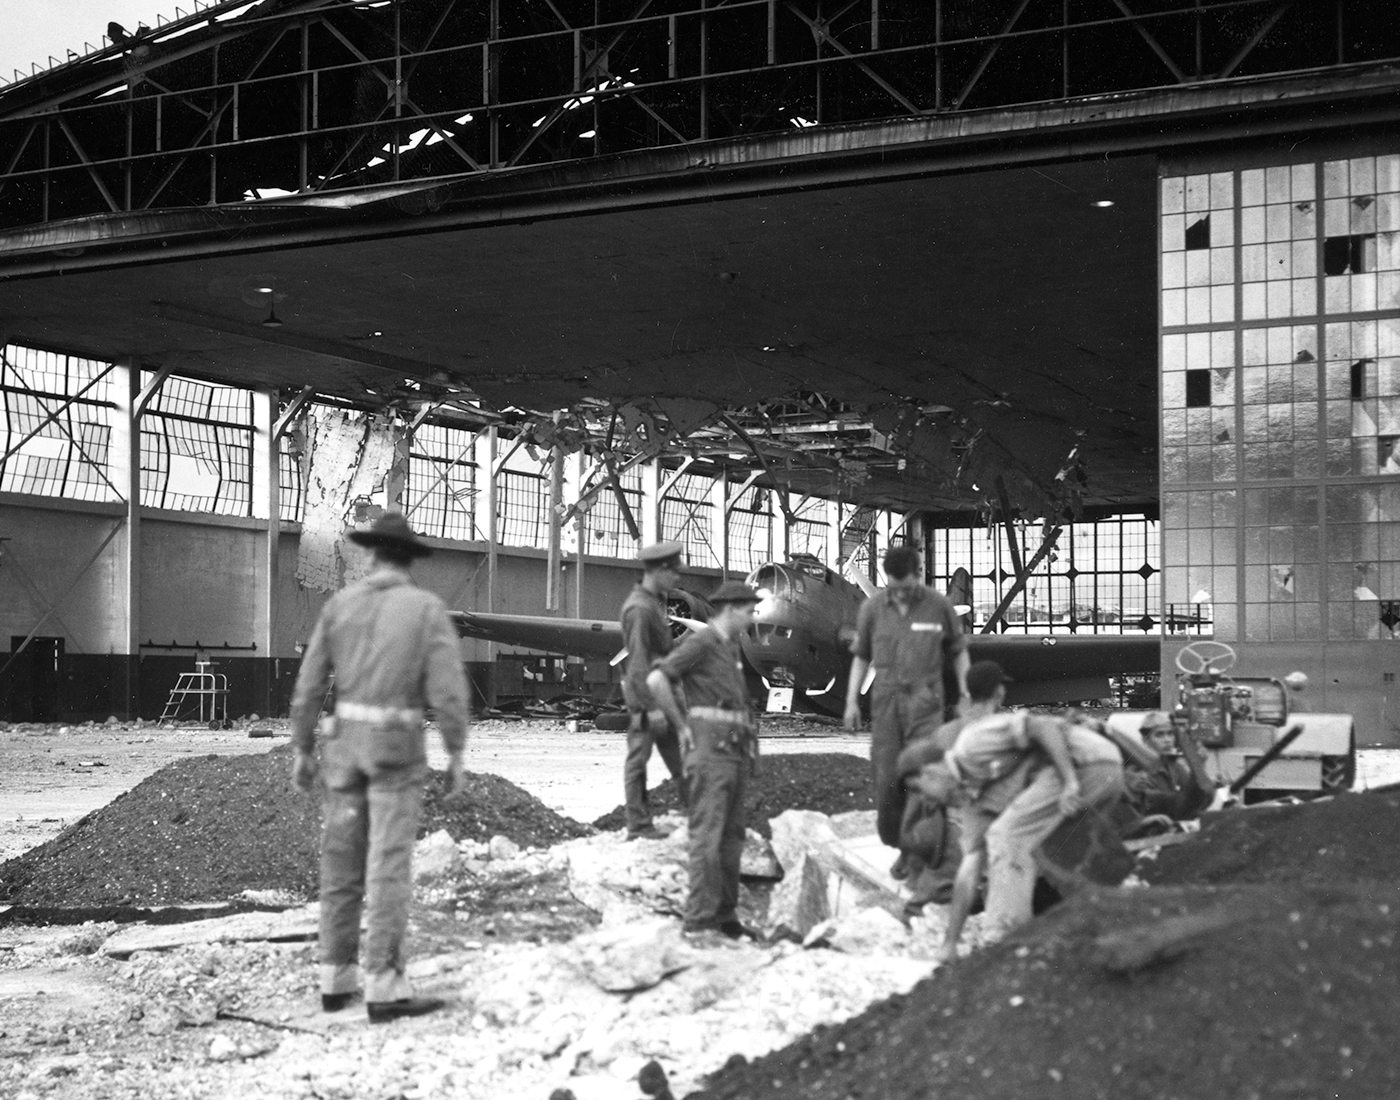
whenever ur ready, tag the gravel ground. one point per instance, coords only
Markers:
(1289, 993)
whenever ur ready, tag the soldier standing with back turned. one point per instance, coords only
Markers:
(646, 632)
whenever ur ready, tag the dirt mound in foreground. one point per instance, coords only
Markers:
(1350, 838)
(1286, 987)
(828, 782)
(207, 828)
(1293, 996)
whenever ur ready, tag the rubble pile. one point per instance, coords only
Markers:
(584, 1013)
(826, 782)
(212, 827)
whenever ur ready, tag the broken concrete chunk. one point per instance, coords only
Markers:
(870, 932)
(631, 957)
(502, 847)
(758, 860)
(436, 857)
(296, 924)
(799, 903)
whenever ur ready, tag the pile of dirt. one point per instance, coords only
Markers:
(827, 782)
(1351, 838)
(208, 828)
(1283, 985)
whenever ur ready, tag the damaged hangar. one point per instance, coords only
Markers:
(556, 277)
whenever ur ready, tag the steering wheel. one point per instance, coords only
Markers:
(1199, 657)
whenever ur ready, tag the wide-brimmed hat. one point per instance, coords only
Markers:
(735, 592)
(391, 529)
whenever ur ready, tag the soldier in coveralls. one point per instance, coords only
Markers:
(720, 743)
(646, 632)
(906, 633)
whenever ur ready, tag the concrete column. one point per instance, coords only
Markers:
(486, 514)
(719, 522)
(650, 519)
(552, 597)
(267, 504)
(833, 534)
(125, 469)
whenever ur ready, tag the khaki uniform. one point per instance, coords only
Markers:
(709, 670)
(393, 652)
(646, 632)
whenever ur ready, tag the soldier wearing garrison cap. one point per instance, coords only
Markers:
(719, 741)
(646, 632)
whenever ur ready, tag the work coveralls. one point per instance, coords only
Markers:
(909, 652)
(709, 670)
(393, 651)
(646, 632)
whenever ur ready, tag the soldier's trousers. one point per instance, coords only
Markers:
(645, 730)
(895, 715)
(370, 822)
(718, 768)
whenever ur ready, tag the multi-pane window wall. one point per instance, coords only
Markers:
(56, 425)
(686, 518)
(440, 490)
(197, 448)
(1101, 578)
(809, 530)
(605, 527)
(1280, 501)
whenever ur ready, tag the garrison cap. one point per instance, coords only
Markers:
(1155, 720)
(735, 592)
(660, 553)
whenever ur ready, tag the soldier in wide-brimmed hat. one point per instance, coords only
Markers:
(393, 652)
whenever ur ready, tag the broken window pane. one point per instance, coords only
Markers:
(1197, 389)
(1348, 255)
(1198, 234)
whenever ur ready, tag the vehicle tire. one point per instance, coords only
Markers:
(611, 721)
(1338, 773)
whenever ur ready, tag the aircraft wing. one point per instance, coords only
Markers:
(576, 637)
(1056, 667)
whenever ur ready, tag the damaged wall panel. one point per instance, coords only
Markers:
(348, 456)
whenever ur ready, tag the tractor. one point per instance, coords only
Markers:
(1254, 743)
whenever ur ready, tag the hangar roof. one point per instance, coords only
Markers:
(896, 310)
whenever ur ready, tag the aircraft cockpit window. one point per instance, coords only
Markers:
(772, 580)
